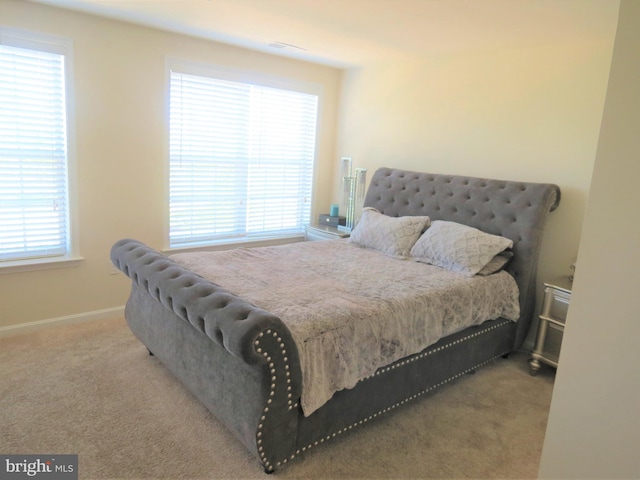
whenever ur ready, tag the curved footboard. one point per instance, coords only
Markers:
(239, 360)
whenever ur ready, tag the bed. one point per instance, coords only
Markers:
(255, 347)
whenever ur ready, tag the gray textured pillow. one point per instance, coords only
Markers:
(393, 236)
(457, 247)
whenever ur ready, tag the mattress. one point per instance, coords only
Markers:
(352, 310)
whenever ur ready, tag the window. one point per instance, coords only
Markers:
(34, 205)
(241, 160)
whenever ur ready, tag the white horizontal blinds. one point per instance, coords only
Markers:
(281, 160)
(33, 154)
(207, 146)
(241, 160)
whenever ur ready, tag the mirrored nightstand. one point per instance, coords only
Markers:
(557, 296)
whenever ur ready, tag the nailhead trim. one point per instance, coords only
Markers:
(388, 409)
(269, 467)
(436, 350)
(290, 403)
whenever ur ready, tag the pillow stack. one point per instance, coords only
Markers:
(461, 249)
(456, 247)
(393, 236)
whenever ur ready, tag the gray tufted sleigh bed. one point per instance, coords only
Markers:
(248, 365)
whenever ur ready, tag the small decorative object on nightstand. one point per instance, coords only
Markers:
(353, 192)
(323, 232)
(557, 296)
(332, 220)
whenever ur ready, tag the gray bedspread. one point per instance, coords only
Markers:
(352, 310)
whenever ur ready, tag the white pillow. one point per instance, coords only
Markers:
(393, 236)
(457, 247)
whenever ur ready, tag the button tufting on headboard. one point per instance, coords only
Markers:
(516, 210)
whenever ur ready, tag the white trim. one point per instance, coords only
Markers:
(46, 263)
(60, 45)
(34, 40)
(232, 74)
(22, 328)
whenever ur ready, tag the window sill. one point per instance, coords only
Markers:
(39, 264)
(235, 243)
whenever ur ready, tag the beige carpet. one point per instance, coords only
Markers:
(92, 390)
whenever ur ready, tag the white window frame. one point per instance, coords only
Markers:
(63, 46)
(190, 67)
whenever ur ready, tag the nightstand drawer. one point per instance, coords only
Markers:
(559, 305)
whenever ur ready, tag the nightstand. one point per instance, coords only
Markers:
(323, 232)
(557, 296)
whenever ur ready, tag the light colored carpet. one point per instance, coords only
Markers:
(91, 389)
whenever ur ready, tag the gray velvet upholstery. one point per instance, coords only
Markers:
(516, 210)
(241, 362)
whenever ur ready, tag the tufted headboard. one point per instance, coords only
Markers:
(516, 210)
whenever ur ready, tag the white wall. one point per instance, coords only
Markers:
(517, 112)
(593, 429)
(121, 123)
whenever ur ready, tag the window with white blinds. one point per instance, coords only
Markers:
(34, 211)
(241, 160)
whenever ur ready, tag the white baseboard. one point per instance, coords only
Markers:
(29, 327)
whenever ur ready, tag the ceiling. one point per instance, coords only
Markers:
(348, 33)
